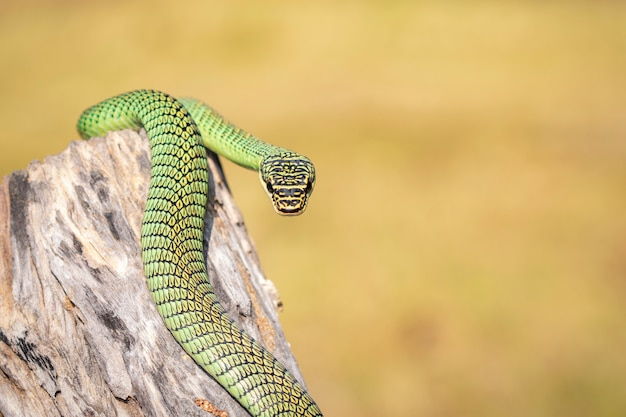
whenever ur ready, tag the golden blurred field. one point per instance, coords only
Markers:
(464, 252)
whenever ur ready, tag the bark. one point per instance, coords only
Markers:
(79, 332)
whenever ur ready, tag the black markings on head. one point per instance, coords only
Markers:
(289, 180)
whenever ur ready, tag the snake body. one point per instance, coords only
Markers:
(172, 229)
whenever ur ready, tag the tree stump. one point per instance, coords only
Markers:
(79, 332)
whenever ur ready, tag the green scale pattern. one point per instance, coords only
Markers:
(171, 240)
(228, 140)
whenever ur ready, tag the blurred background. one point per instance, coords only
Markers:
(464, 251)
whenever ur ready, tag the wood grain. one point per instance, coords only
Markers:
(79, 333)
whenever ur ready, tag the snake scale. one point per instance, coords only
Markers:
(172, 229)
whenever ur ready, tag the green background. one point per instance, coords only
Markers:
(464, 251)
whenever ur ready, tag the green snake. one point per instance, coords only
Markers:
(172, 229)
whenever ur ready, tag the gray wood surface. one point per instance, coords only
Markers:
(79, 332)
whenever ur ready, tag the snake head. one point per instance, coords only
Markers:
(288, 179)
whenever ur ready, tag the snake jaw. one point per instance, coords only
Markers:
(288, 179)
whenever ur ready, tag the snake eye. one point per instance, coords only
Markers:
(269, 187)
(309, 187)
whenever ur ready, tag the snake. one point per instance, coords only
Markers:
(180, 132)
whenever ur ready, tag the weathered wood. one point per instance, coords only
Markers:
(79, 332)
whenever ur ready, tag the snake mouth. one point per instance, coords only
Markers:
(284, 210)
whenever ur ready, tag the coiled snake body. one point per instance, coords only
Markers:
(172, 229)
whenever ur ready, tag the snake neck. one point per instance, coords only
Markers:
(226, 139)
(286, 176)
